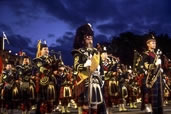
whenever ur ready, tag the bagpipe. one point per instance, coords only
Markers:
(137, 60)
(85, 75)
(114, 60)
(138, 67)
(152, 74)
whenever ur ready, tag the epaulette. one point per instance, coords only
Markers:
(19, 67)
(95, 50)
(82, 50)
(77, 51)
(37, 59)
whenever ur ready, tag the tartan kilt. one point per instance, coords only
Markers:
(146, 92)
(157, 94)
(79, 89)
(109, 99)
(106, 89)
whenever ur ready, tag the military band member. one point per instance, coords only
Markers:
(10, 90)
(152, 81)
(44, 80)
(102, 108)
(166, 89)
(132, 88)
(58, 74)
(27, 86)
(65, 94)
(107, 64)
(87, 71)
(123, 92)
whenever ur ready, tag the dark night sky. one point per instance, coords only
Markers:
(27, 21)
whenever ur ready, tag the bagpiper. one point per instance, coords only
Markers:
(44, 80)
(10, 91)
(27, 86)
(133, 88)
(65, 94)
(87, 71)
(152, 82)
(108, 64)
(123, 91)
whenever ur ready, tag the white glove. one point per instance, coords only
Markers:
(161, 70)
(87, 63)
(158, 62)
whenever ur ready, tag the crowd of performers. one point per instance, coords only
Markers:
(95, 83)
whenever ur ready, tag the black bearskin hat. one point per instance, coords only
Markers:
(81, 32)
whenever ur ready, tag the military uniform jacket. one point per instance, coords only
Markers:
(80, 57)
(8, 76)
(24, 72)
(148, 59)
